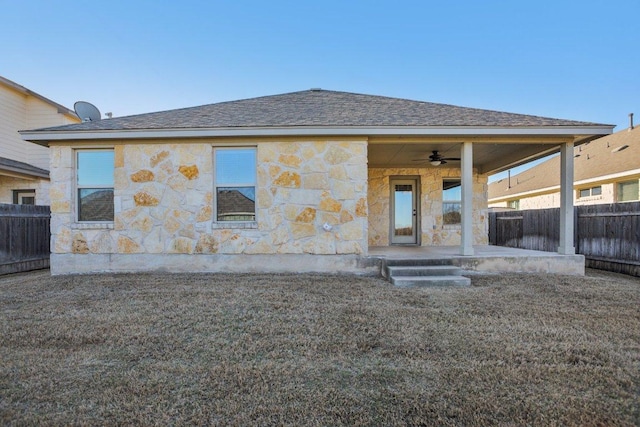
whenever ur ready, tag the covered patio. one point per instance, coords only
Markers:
(472, 155)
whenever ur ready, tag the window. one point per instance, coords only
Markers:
(24, 197)
(628, 191)
(593, 191)
(514, 204)
(235, 184)
(94, 183)
(451, 201)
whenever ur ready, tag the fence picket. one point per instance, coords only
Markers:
(607, 235)
(24, 237)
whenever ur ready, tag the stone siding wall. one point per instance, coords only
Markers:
(163, 200)
(433, 231)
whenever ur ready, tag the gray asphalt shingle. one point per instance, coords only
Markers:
(22, 167)
(321, 108)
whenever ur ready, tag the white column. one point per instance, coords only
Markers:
(566, 200)
(466, 166)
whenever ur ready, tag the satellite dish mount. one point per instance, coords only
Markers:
(87, 111)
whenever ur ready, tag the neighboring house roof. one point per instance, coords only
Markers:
(98, 204)
(15, 86)
(320, 108)
(234, 202)
(607, 157)
(16, 168)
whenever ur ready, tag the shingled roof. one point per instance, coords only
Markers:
(320, 108)
(610, 155)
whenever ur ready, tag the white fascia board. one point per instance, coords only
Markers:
(36, 136)
(21, 173)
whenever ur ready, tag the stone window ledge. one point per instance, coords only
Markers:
(452, 226)
(92, 226)
(232, 225)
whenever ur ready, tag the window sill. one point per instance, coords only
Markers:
(589, 198)
(234, 225)
(92, 226)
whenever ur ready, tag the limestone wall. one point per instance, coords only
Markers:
(433, 231)
(163, 200)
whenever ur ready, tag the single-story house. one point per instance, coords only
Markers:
(303, 181)
(607, 170)
(24, 167)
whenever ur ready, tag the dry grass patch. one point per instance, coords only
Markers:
(318, 350)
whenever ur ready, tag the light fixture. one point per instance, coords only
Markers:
(435, 162)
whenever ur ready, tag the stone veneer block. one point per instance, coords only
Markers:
(164, 201)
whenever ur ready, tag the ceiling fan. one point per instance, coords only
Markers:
(437, 159)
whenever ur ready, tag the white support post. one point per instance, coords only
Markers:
(466, 166)
(566, 200)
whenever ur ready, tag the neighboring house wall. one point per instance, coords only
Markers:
(163, 202)
(552, 200)
(9, 184)
(19, 111)
(433, 231)
(13, 111)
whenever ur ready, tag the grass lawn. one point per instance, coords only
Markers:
(318, 350)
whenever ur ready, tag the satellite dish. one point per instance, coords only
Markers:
(87, 111)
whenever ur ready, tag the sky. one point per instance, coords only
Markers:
(565, 59)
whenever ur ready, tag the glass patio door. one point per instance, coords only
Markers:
(404, 215)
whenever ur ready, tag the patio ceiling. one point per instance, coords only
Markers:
(488, 157)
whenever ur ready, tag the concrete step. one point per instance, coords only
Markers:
(416, 261)
(430, 281)
(424, 270)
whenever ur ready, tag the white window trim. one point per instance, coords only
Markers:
(76, 202)
(234, 224)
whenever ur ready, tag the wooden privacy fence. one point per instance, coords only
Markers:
(24, 238)
(607, 235)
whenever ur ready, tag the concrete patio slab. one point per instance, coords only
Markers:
(489, 259)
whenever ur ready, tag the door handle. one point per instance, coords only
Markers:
(414, 212)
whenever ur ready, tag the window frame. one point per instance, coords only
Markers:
(235, 223)
(18, 196)
(445, 202)
(590, 190)
(77, 187)
(619, 191)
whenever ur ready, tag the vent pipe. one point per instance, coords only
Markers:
(630, 121)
